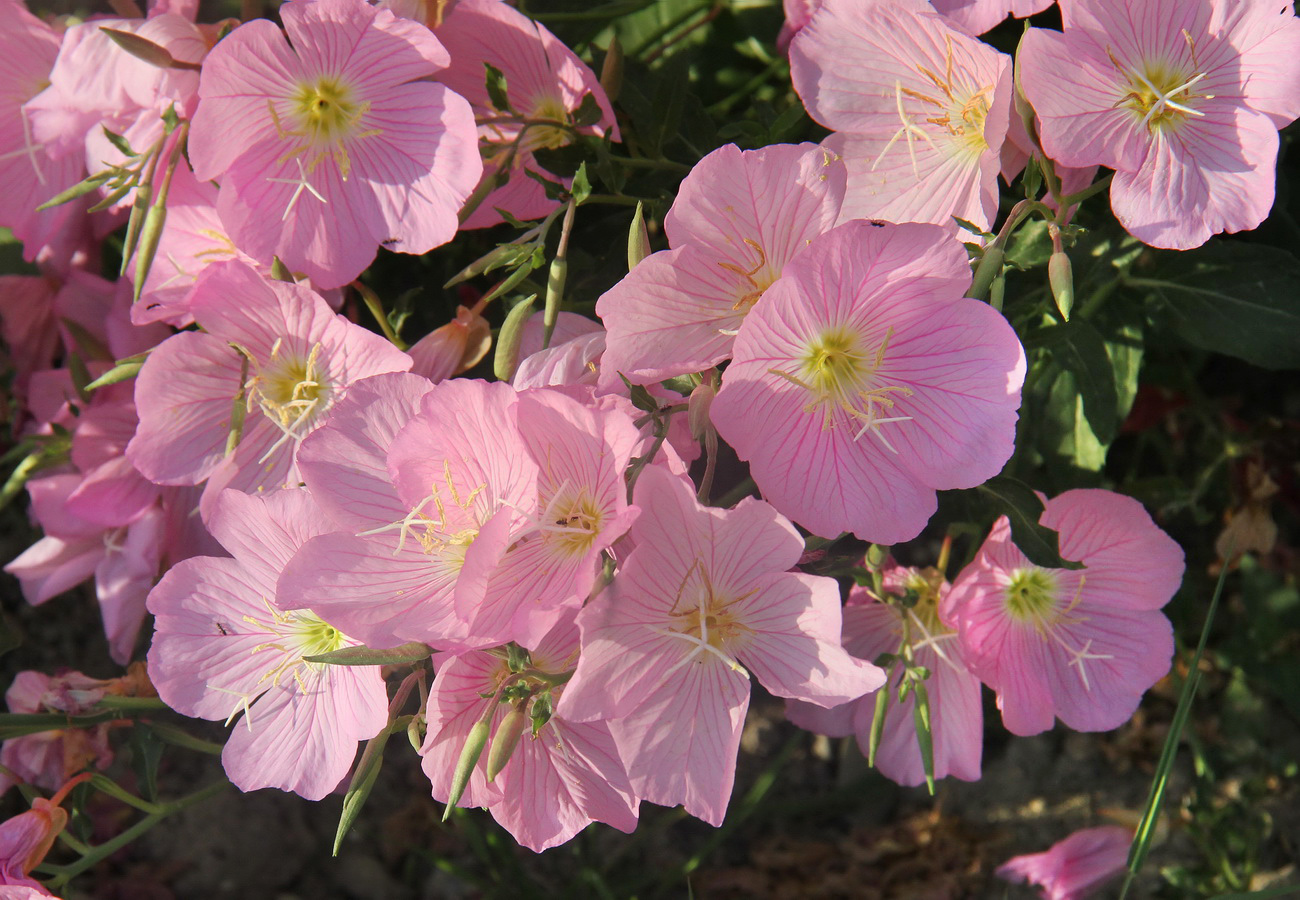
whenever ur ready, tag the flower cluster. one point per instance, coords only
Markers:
(308, 508)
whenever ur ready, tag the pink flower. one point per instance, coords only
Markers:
(1182, 100)
(561, 776)
(1082, 645)
(124, 559)
(97, 85)
(1075, 867)
(432, 483)
(29, 173)
(872, 627)
(26, 838)
(338, 145)
(739, 217)
(294, 360)
(979, 16)
(705, 597)
(50, 758)
(864, 382)
(221, 647)
(545, 80)
(920, 108)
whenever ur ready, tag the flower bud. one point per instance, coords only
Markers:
(506, 739)
(638, 239)
(1061, 280)
(469, 755)
(452, 348)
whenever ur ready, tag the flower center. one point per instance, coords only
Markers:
(326, 110)
(704, 618)
(291, 392)
(840, 373)
(1162, 95)
(1031, 595)
(548, 137)
(571, 521)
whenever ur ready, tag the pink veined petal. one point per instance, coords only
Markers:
(376, 596)
(183, 395)
(52, 565)
(1073, 868)
(622, 662)
(202, 658)
(304, 738)
(112, 494)
(455, 704)
(374, 46)
(1084, 125)
(556, 785)
(1131, 562)
(678, 311)
(1126, 652)
(979, 16)
(420, 172)
(777, 197)
(264, 541)
(1204, 177)
(123, 580)
(794, 648)
(238, 77)
(345, 461)
(469, 426)
(680, 745)
(331, 240)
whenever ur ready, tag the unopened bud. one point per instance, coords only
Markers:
(511, 336)
(611, 71)
(638, 239)
(1061, 280)
(698, 410)
(469, 754)
(506, 739)
(452, 348)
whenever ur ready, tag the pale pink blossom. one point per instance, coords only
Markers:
(873, 627)
(739, 217)
(1082, 645)
(545, 80)
(96, 85)
(222, 647)
(24, 841)
(29, 173)
(1073, 868)
(920, 109)
(865, 381)
(280, 346)
(705, 597)
(432, 483)
(1183, 100)
(49, 758)
(560, 777)
(124, 559)
(339, 144)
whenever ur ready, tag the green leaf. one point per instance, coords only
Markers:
(146, 753)
(587, 113)
(1030, 246)
(496, 88)
(1017, 501)
(1079, 349)
(554, 190)
(581, 188)
(366, 656)
(1231, 297)
(1066, 432)
(79, 189)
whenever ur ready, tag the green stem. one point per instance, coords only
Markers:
(641, 162)
(63, 874)
(723, 106)
(745, 489)
(181, 738)
(112, 701)
(106, 785)
(1095, 188)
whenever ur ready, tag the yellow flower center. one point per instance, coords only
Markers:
(326, 110)
(841, 373)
